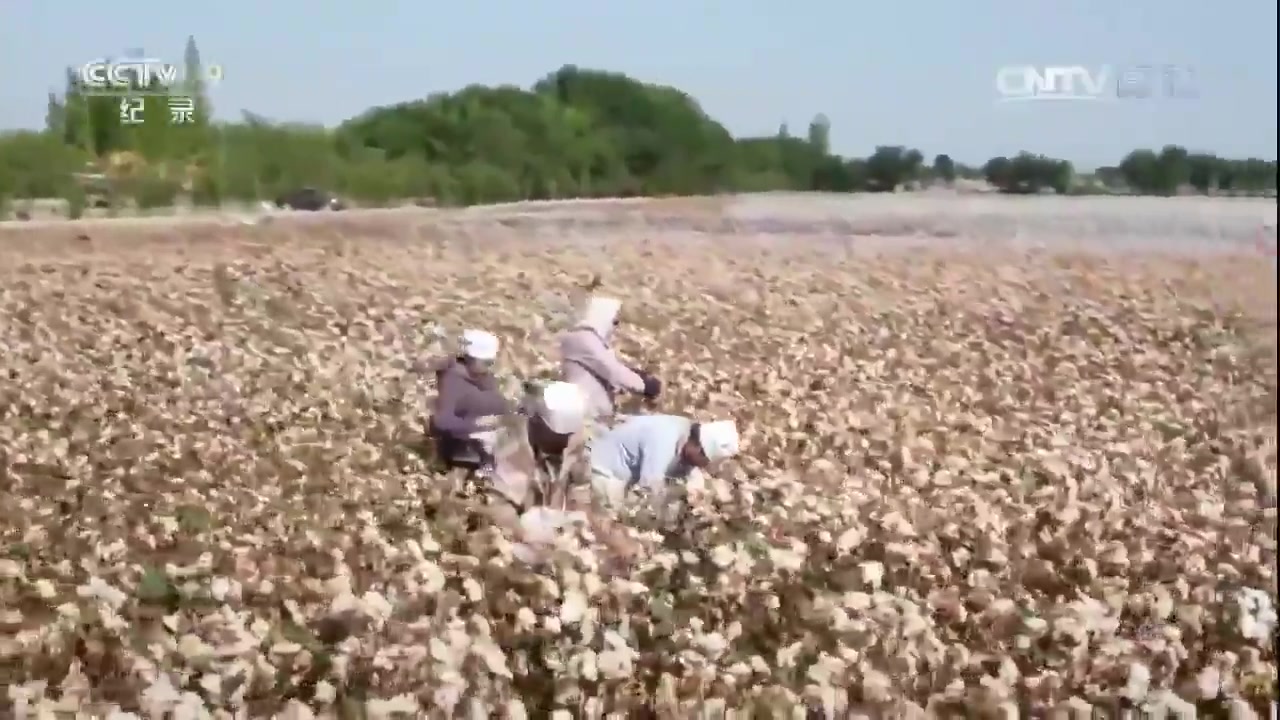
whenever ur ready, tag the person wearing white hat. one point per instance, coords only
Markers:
(648, 451)
(588, 362)
(541, 464)
(468, 402)
(533, 448)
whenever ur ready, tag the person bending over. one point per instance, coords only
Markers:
(650, 451)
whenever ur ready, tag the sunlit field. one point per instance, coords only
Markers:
(994, 456)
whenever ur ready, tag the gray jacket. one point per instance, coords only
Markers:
(587, 361)
(463, 399)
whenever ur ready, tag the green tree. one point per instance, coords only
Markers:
(1202, 172)
(37, 164)
(152, 137)
(1058, 175)
(193, 140)
(944, 168)
(833, 174)
(892, 165)
(194, 83)
(55, 116)
(1175, 171)
(1144, 173)
(998, 171)
(153, 191)
(480, 183)
(76, 120)
(1028, 173)
(662, 133)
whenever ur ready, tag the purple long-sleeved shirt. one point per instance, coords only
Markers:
(463, 398)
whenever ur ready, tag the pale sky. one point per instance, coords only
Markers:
(917, 73)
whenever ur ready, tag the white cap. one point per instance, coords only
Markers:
(600, 314)
(719, 439)
(563, 407)
(480, 345)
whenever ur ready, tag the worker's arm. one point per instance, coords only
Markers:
(601, 361)
(451, 416)
(448, 421)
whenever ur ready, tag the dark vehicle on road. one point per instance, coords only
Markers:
(309, 198)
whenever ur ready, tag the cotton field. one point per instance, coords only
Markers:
(977, 478)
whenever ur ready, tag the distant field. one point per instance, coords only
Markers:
(1190, 224)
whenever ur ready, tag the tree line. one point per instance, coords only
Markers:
(575, 133)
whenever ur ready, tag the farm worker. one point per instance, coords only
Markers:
(531, 448)
(539, 483)
(647, 451)
(588, 362)
(468, 402)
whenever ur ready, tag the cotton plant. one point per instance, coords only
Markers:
(1257, 615)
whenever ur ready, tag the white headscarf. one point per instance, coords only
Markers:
(562, 407)
(600, 314)
(719, 439)
(480, 345)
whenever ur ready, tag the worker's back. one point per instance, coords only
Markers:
(643, 444)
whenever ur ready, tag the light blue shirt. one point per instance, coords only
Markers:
(643, 450)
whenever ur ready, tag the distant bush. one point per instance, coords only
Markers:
(151, 192)
(206, 192)
(76, 201)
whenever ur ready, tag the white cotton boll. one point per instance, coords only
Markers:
(589, 670)
(190, 707)
(387, 709)
(876, 686)
(712, 645)
(449, 693)
(376, 607)
(614, 664)
(473, 589)
(849, 539)
(526, 620)
(45, 589)
(494, 659)
(515, 710)
(325, 692)
(723, 556)
(1257, 615)
(1139, 682)
(1209, 683)
(99, 589)
(540, 526)
(573, 608)
(433, 578)
(872, 572)
(159, 696)
(297, 710)
(786, 560)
